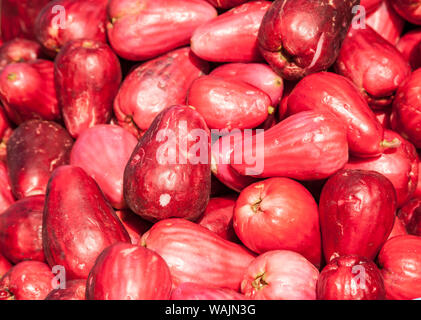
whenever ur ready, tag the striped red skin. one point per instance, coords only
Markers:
(31, 81)
(375, 66)
(226, 4)
(156, 85)
(386, 22)
(280, 275)
(87, 77)
(410, 10)
(257, 74)
(357, 212)
(409, 46)
(400, 264)
(80, 20)
(134, 225)
(115, 145)
(18, 18)
(21, 230)
(229, 104)
(370, 5)
(5, 266)
(288, 214)
(399, 165)
(350, 278)
(6, 196)
(78, 222)
(306, 146)
(28, 280)
(232, 36)
(168, 175)
(406, 115)
(399, 229)
(196, 254)
(143, 31)
(218, 217)
(300, 37)
(129, 272)
(34, 150)
(326, 91)
(75, 290)
(410, 214)
(194, 291)
(19, 50)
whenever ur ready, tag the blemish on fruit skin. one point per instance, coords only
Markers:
(164, 199)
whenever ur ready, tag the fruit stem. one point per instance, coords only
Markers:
(259, 282)
(12, 76)
(271, 110)
(256, 206)
(395, 143)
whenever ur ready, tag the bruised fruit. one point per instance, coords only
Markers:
(75, 290)
(194, 291)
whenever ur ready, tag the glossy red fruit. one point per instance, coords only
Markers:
(128, 272)
(370, 5)
(417, 193)
(156, 85)
(406, 115)
(286, 212)
(399, 165)
(350, 278)
(330, 92)
(410, 214)
(306, 146)
(283, 105)
(383, 116)
(386, 22)
(62, 21)
(78, 222)
(194, 291)
(28, 280)
(400, 263)
(87, 76)
(375, 66)
(242, 105)
(409, 46)
(6, 131)
(226, 4)
(410, 10)
(5, 266)
(284, 35)
(195, 254)
(168, 174)
(75, 290)
(31, 81)
(232, 36)
(141, 31)
(357, 212)
(18, 18)
(257, 74)
(21, 230)
(134, 225)
(280, 275)
(34, 150)
(115, 145)
(218, 217)
(399, 229)
(19, 50)
(6, 196)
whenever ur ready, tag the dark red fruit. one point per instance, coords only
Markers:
(75, 290)
(19, 50)
(410, 215)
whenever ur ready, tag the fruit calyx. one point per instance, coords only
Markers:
(395, 143)
(259, 282)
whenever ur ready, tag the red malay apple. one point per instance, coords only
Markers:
(134, 225)
(196, 254)
(409, 46)
(286, 212)
(34, 150)
(410, 10)
(280, 275)
(194, 291)
(370, 5)
(75, 290)
(168, 174)
(87, 77)
(6, 196)
(5, 266)
(127, 272)
(141, 31)
(410, 215)
(19, 50)
(357, 212)
(232, 36)
(6, 131)
(78, 222)
(399, 229)
(156, 85)
(350, 278)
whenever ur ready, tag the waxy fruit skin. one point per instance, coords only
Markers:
(87, 77)
(226, 4)
(141, 31)
(128, 272)
(284, 35)
(34, 150)
(156, 85)
(286, 211)
(188, 248)
(375, 66)
(168, 174)
(6, 195)
(409, 46)
(400, 264)
(135, 225)
(194, 291)
(410, 10)
(357, 212)
(280, 275)
(350, 278)
(326, 91)
(370, 5)
(232, 36)
(19, 50)
(5, 266)
(78, 222)
(410, 215)
(75, 290)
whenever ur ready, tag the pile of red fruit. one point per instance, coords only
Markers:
(210, 149)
